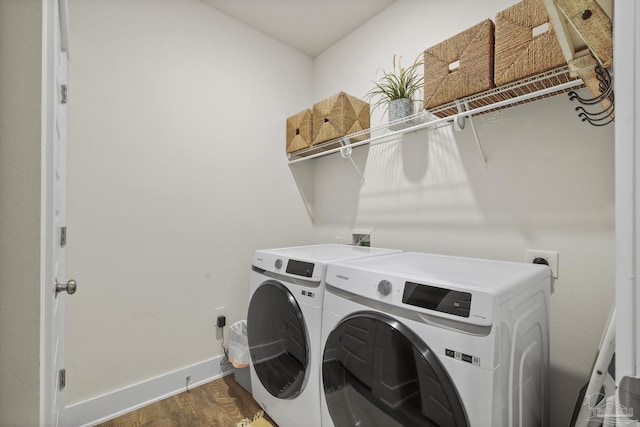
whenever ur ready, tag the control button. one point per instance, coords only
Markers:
(384, 288)
(450, 353)
(462, 304)
(278, 263)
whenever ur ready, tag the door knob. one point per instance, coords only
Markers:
(70, 287)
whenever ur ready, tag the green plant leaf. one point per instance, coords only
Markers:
(401, 82)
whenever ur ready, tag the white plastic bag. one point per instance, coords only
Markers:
(238, 345)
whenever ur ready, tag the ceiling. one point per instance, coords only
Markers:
(310, 26)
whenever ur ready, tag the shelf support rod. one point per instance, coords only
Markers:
(459, 124)
(345, 152)
(478, 143)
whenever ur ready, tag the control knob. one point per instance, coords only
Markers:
(384, 288)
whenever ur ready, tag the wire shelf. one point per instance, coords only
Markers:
(523, 91)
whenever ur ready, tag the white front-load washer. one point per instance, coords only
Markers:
(283, 328)
(413, 339)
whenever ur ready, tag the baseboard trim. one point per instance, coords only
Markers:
(111, 405)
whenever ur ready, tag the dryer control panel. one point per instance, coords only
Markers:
(288, 266)
(300, 268)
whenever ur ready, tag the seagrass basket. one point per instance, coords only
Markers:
(525, 42)
(459, 66)
(338, 116)
(299, 131)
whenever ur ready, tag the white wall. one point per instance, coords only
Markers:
(20, 148)
(172, 185)
(549, 184)
(177, 174)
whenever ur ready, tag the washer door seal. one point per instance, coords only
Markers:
(378, 372)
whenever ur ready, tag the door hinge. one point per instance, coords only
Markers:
(62, 379)
(63, 236)
(63, 94)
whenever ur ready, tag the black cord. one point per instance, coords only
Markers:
(224, 362)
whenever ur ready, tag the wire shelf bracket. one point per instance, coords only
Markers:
(345, 152)
(459, 124)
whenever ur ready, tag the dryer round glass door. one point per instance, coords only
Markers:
(378, 372)
(278, 341)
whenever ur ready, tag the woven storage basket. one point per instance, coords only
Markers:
(473, 50)
(518, 52)
(299, 131)
(339, 115)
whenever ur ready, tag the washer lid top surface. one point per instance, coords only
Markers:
(492, 276)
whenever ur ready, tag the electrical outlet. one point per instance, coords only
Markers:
(550, 256)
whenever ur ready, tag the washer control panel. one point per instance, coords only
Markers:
(437, 298)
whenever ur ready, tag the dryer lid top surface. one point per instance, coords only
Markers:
(279, 260)
(327, 252)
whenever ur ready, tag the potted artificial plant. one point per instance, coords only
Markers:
(396, 88)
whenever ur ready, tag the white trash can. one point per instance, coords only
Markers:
(239, 354)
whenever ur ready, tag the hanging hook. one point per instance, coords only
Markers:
(573, 96)
(605, 86)
(591, 122)
(594, 116)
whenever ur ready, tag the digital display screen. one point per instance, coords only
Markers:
(438, 299)
(300, 268)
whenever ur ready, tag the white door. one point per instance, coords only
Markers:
(56, 287)
(627, 139)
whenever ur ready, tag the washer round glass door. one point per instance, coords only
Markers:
(278, 340)
(378, 372)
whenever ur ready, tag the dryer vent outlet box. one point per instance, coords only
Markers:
(361, 238)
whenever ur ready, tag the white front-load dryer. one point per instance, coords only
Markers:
(283, 328)
(414, 339)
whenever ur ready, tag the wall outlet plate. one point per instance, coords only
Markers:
(551, 257)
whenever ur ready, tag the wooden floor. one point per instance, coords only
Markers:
(222, 403)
